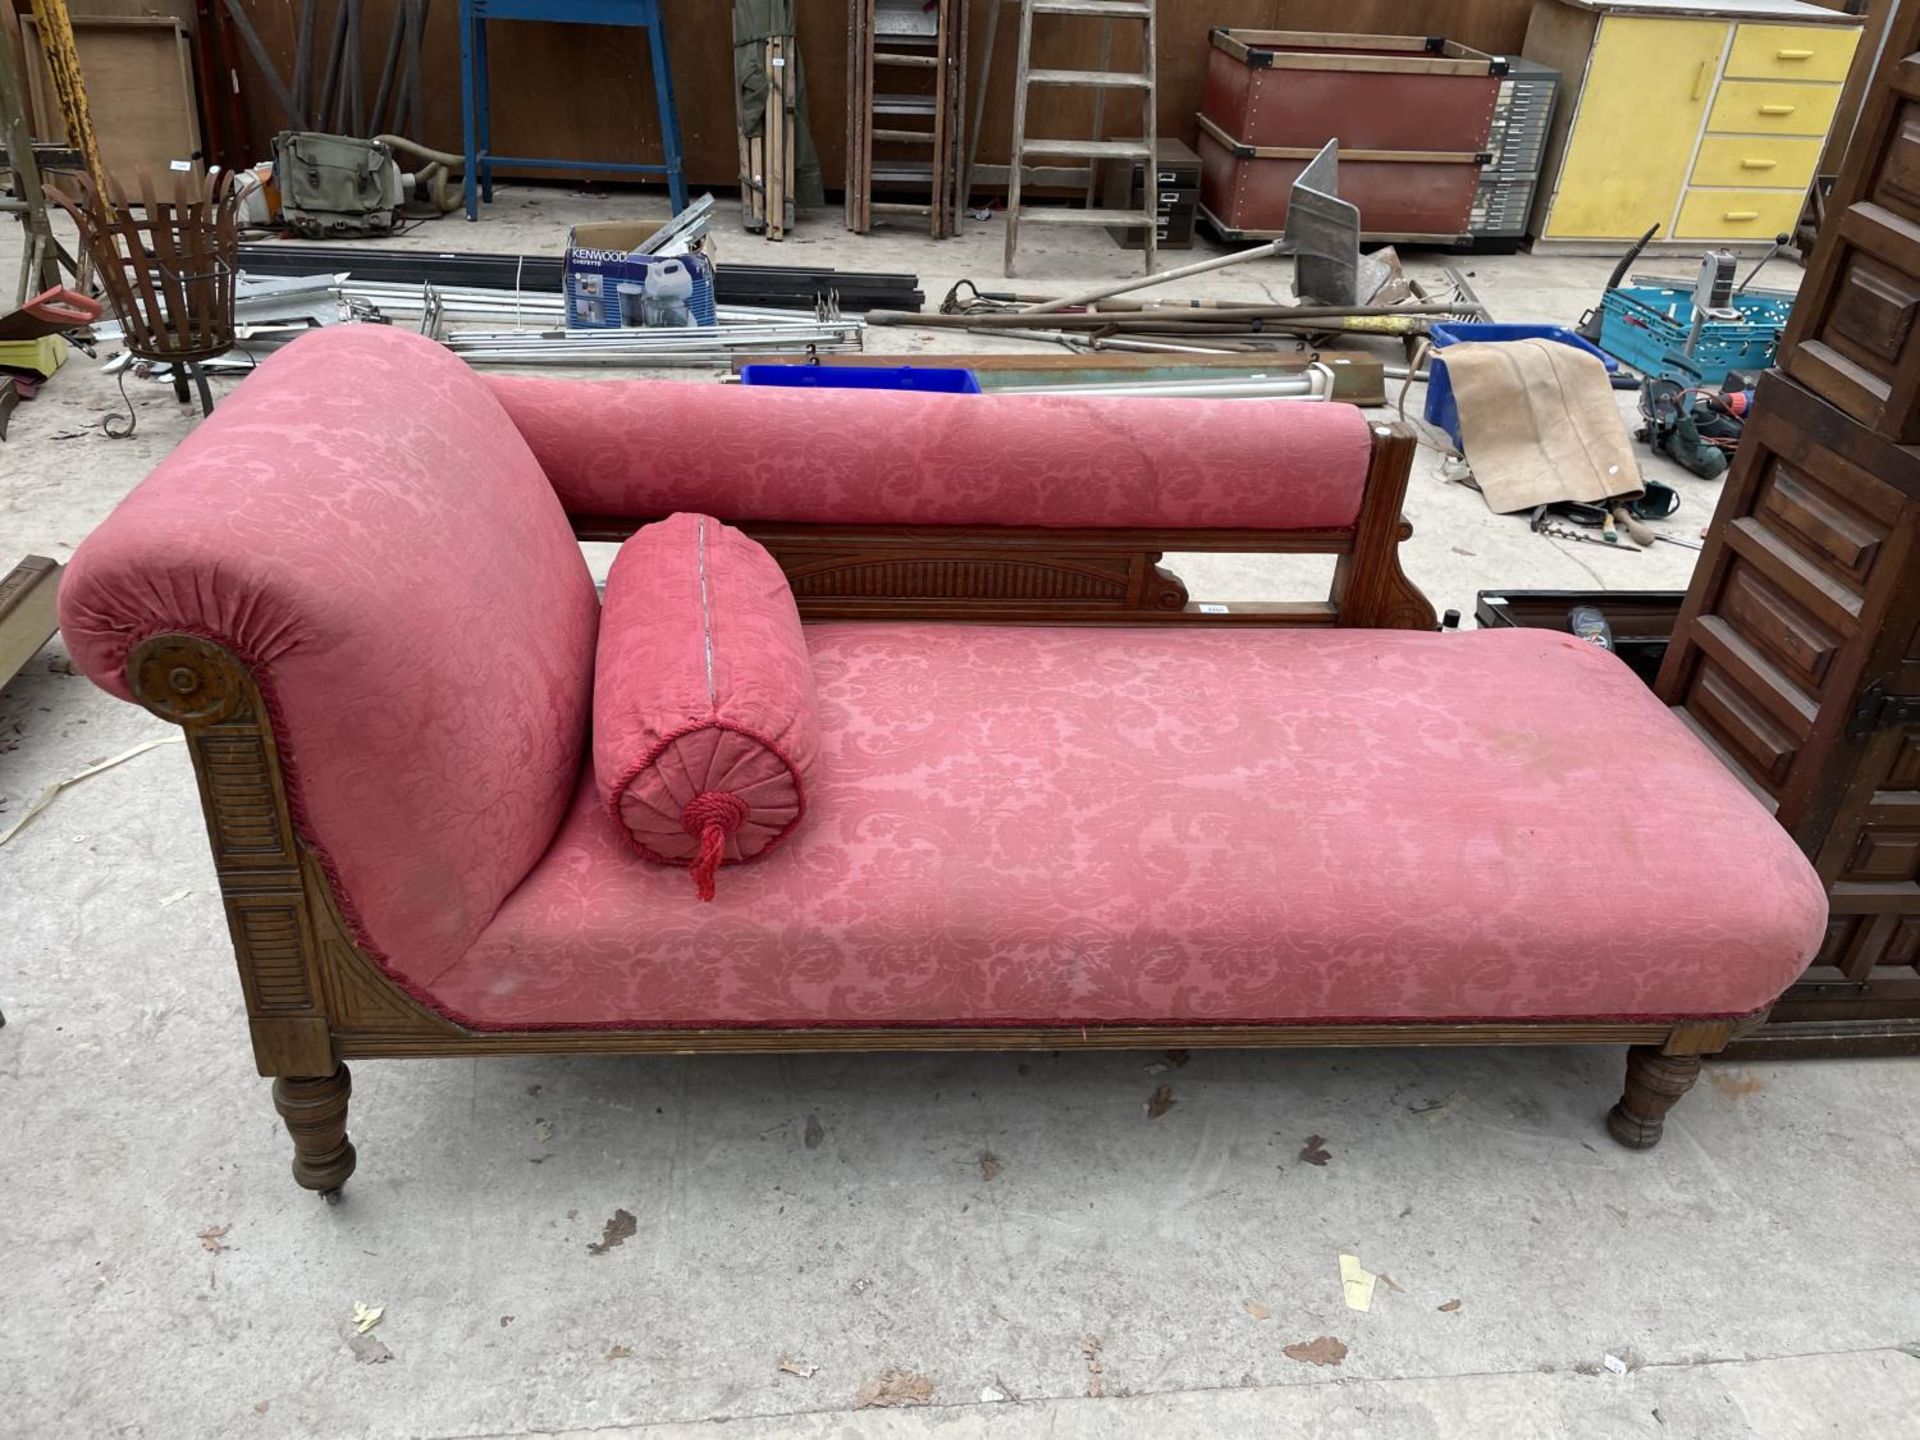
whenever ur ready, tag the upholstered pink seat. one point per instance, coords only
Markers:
(1070, 826)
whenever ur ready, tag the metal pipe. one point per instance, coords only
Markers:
(1082, 344)
(666, 360)
(1314, 383)
(1124, 321)
(630, 342)
(1121, 287)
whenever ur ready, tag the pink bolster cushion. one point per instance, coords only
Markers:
(704, 720)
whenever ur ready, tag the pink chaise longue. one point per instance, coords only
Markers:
(892, 733)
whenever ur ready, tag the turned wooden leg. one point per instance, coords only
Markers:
(1655, 1083)
(316, 1114)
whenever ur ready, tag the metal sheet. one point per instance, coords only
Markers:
(1323, 231)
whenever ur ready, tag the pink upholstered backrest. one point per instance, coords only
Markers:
(643, 449)
(361, 522)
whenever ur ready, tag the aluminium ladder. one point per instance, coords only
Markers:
(1095, 149)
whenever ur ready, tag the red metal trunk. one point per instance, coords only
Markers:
(1412, 116)
(1367, 109)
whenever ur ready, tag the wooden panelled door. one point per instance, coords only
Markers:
(1853, 337)
(1798, 649)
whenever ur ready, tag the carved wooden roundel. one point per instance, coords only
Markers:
(184, 679)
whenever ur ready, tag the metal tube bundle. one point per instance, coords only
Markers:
(667, 346)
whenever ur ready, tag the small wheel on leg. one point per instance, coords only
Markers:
(333, 1196)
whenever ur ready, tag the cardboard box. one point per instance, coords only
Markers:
(609, 287)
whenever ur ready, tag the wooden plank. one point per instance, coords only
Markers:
(139, 77)
(27, 595)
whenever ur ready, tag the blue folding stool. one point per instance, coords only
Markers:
(477, 123)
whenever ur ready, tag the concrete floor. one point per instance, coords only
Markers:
(1014, 1229)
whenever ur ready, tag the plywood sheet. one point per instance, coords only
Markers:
(138, 72)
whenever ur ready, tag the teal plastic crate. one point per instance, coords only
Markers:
(1647, 327)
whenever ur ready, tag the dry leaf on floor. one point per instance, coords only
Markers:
(1392, 1284)
(1450, 1307)
(990, 1165)
(620, 1228)
(894, 1387)
(211, 1237)
(1324, 1350)
(1091, 1347)
(365, 1317)
(1314, 1152)
(368, 1349)
(1161, 1102)
(816, 1132)
(1258, 1311)
(1356, 1283)
(798, 1367)
(620, 1352)
(542, 1131)
(175, 898)
(505, 1320)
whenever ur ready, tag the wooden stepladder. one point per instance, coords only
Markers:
(906, 138)
(1092, 149)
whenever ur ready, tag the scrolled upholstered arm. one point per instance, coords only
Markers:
(361, 526)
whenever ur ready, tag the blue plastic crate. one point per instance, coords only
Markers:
(929, 380)
(1441, 410)
(1647, 326)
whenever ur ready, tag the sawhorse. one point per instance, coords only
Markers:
(477, 121)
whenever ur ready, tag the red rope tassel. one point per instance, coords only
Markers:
(713, 848)
(710, 817)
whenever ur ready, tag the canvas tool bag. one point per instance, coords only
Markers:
(335, 185)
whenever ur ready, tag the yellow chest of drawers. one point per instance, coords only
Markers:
(1706, 119)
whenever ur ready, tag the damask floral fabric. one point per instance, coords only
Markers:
(1060, 826)
(363, 526)
(704, 720)
(868, 457)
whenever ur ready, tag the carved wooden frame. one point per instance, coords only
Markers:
(315, 998)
